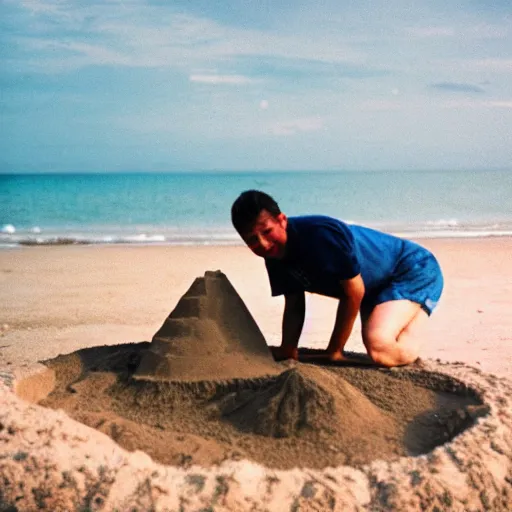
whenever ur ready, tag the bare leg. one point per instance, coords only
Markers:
(391, 332)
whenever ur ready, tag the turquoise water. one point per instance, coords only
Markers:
(194, 208)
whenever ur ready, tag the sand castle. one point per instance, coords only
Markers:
(209, 335)
(202, 418)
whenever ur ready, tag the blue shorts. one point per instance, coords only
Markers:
(417, 278)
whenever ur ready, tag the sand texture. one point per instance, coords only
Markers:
(51, 462)
(307, 416)
(55, 300)
(209, 335)
(276, 436)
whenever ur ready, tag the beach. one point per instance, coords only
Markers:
(310, 435)
(140, 358)
(55, 300)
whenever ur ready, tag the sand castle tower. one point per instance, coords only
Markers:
(210, 335)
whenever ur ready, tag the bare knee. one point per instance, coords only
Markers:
(393, 356)
(386, 351)
(377, 339)
(377, 342)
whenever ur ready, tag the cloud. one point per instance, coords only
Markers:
(468, 104)
(457, 87)
(307, 69)
(135, 34)
(472, 66)
(478, 31)
(499, 104)
(430, 32)
(492, 64)
(221, 79)
(41, 7)
(487, 31)
(308, 124)
(380, 105)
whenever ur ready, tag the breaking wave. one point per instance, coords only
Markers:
(11, 236)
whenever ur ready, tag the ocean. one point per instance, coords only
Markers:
(194, 208)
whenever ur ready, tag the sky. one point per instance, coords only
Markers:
(128, 85)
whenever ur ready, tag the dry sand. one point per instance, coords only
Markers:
(56, 300)
(60, 299)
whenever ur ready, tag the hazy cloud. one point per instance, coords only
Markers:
(431, 32)
(380, 105)
(310, 124)
(468, 104)
(227, 77)
(492, 64)
(499, 104)
(457, 87)
(221, 79)
(140, 35)
(471, 31)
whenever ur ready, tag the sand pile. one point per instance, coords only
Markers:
(306, 399)
(210, 335)
(307, 416)
(206, 390)
(205, 394)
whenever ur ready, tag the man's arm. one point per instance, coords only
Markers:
(352, 293)
(293, 321)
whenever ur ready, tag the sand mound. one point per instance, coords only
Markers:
(306, 416)
(290, 403)
(210, 335)
(308, 398)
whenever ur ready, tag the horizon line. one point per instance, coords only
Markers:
(248, 171)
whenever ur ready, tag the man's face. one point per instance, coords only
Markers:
(267, 237)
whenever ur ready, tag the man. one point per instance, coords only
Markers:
(393, 283)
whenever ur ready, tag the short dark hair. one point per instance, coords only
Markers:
(248, 206)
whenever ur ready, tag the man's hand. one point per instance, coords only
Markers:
(283, 352)
(325, 356)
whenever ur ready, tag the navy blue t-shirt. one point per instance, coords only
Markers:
(321, 251)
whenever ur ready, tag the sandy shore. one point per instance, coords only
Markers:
(55, 300)
(243, 444)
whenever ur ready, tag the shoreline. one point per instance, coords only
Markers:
(66, 241)
(58, 299)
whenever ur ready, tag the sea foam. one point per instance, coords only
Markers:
(7, 229)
